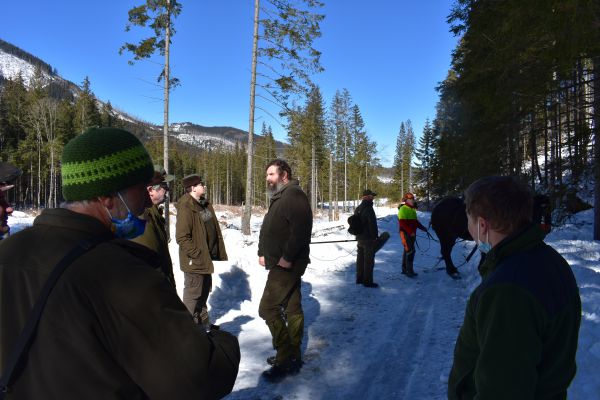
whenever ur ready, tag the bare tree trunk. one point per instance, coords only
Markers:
(330, 210)
(39, 135)
(345, 170)
(166, 116)
(313, 183)
(248, 204)
(401, 177)
(228, 184)
(596, 148)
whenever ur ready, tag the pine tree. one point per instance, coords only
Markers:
(426, 155)
(159, 14)
(339, 140)
(399, 159)
(87, 114)
(288, 61)
(107, 118)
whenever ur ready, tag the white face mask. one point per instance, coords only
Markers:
(486, 246)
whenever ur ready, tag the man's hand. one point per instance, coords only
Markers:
(283, 263)
(261, 261)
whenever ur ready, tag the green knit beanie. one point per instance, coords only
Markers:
(102, 161)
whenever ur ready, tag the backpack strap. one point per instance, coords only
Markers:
(25, 339)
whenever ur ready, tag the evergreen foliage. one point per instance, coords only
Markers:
(286, 53)
(519, 98)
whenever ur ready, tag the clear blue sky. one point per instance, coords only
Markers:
(390, 55)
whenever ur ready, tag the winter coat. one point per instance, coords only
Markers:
(287, 227)
(407, 220)
(155, 238)
(191, 235)
(368, 220)
(113, 327)
(519, 336)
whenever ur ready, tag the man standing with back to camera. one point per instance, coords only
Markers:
(519, 335)
(283, 249)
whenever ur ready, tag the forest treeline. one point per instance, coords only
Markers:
(519, 99)
(324, 143)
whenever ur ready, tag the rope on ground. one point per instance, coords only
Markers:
(351, 253)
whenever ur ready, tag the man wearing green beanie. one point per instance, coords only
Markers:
(110, 318)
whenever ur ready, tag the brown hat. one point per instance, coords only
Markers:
(369, 192)
(160, 176)
(191, 180)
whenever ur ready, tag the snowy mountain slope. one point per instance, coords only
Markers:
(12, 65)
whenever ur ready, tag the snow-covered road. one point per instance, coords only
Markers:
(392, 342)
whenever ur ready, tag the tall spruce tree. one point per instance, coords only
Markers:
(86, 109)
(158, 15)
(288, 59)
(426, 155)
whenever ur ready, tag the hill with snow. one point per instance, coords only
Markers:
(15, 62)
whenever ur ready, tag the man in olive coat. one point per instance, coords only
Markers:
(155, 234)
(112, 326)
(200, 241)
(284, 250)
(519, 336)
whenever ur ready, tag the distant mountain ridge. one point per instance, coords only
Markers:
(15, 61)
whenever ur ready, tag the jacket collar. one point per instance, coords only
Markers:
(526, 238)
(67, 219)
(277, 194)
(188, 201)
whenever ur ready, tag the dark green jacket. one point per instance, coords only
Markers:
(192, 237)
(113, 327)
(287, 227)
(519, 336)
(155, 238)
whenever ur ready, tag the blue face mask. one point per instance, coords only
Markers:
(484, 247)
(129, 227)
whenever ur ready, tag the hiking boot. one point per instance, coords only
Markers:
(371, 285)
(296, 363)
(279, 371)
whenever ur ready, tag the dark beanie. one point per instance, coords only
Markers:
(102, 161)
(191, 180)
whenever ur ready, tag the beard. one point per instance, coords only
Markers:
(273, 188)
